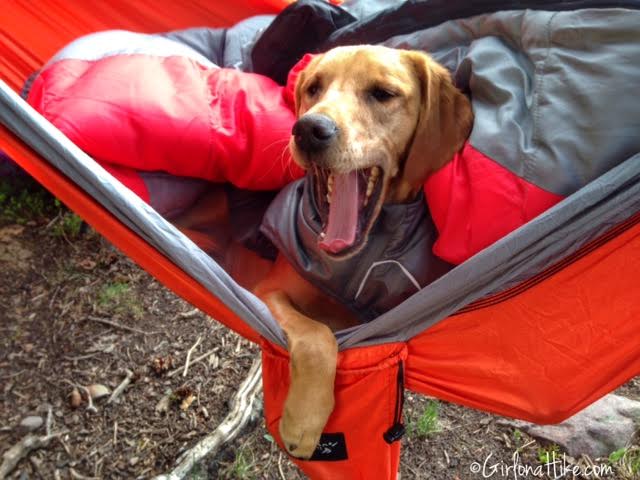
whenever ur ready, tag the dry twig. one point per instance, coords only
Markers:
(189, 314)
(233, 423)
(280, 471)
(104, 321)
(193, 362)
(49, 423)
(120, 388)
(186, 363)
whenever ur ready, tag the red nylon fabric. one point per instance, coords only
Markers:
(475, 201)
(172, 115)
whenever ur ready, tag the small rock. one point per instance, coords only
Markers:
(75, 399)
(603, 427)
(133, 461)
(163, 405)
(31, 423)
(98, 391)
(187, 401)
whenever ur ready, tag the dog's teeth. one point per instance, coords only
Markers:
(328, 198)
(370, 185)
(373, 177)
(322, 234)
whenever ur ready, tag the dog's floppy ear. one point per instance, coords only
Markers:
(298, 92)
(297, 77)
(444, 122)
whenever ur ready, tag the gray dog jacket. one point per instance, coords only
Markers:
(395, 263)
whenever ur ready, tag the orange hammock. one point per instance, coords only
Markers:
(540, 367)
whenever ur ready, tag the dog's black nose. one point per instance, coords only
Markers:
(314, 132)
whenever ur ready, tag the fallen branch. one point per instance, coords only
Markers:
(104, 321)
(234, 422)
(20, 450)
(120, 388)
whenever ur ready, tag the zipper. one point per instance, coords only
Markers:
(396, 431)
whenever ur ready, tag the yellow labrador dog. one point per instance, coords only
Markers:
(372, 124)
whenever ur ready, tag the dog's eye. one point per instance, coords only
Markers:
(381, 94)
(313, 89)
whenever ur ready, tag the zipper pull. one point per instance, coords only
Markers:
(397, 430)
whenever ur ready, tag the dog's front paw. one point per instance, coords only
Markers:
(301, 432)
(313, 354)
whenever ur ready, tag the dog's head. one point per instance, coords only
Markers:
(373, 124)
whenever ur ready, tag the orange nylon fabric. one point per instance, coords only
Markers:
(546, 353)
(366, 390)
(31, 32)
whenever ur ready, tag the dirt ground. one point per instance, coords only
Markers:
(75, 313)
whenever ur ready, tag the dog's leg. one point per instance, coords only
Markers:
(313, 354)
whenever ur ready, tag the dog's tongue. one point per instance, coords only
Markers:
(343, 213)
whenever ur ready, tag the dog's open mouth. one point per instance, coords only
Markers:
(348, 204)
